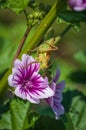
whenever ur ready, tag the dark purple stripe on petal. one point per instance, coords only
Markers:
(21, 71)
(18, 75)
(29, 71)
(35, 92)
(17, 80)
(32, 68)
(24, 90)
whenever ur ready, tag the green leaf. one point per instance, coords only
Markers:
(5, 121)
(75, 105)
(73, 17)
(5, 117)
(47, 123)
(19, 114)
(15, 5)
(69, 123)
(78, 114)
(47, 120)
(32, 118)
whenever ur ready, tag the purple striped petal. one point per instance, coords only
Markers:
(17, 63)
(56, 76)
(26, 59)
(59, 111)
(55, 100)
(25, 95)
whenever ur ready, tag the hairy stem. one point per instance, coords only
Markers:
(26, 16)
(66, 30)
(21, 43)
(23, 39)
(63, 33)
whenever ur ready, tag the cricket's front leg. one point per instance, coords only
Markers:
(31, 51)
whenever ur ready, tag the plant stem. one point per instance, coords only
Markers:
(3, 83)
(66, 30)
(41, 30)
(26, 16)
(45, 24)
(58, 38)
(23, 39)
(21, 43)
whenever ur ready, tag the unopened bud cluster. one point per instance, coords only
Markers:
(35, 17)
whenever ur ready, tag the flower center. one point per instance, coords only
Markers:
(27, 84)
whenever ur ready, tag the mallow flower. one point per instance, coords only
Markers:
(77, 5)
(55, 101)
(27, 81)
